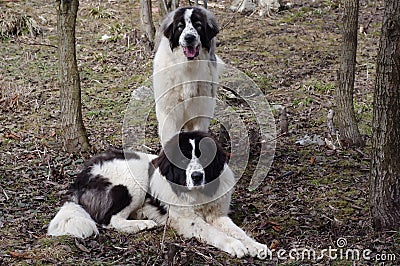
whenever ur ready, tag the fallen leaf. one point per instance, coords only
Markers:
(312, 160)
(277, 228)
(268, 224)
(330, 152)
(330, 144)
(20, 255)
(274, 244)
(81, 247)
(11, 135)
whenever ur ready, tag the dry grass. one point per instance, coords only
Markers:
(12, 95)
(14, 24)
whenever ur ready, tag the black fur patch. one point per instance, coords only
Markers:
(98, 198)
(120, 198)
(156, 203)
(171, 172)
(111, 154)
(172, 32)
(210, 27)
(151, 169)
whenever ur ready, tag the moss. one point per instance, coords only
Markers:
(99, 12)
(346, 212)
(397, 237)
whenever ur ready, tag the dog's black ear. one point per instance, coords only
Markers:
(169, 32)
(173, 38)
(167, 28)
(162, 163)
(212, 25)
(172, 173)
(210, 31)
(215, 168)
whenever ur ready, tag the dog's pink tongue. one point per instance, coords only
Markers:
(190, 51)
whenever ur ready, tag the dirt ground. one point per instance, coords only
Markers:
(313, 198)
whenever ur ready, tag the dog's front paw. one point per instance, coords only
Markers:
(258, 250)
(146, 224)
(235, 248)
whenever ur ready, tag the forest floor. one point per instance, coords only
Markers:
(313, 198)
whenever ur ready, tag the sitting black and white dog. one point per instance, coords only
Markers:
(185, 71)
(188, 186)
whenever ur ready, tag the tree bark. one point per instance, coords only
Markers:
(346, 117)
(147, 20)
(166, 6)
(73, 131)
(385, 163)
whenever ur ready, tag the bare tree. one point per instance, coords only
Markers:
(345, 115)
(166, 6)
(196, 2)
(73, 131)
(147, 21)
(385, 163)
(265, 7)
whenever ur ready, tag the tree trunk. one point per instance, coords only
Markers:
(147, 21)
(196, 3)
(73, 131)
(385, 164)
(344, 93)
(166, 6)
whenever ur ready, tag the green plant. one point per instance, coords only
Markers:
(303, 102)
(99, 12)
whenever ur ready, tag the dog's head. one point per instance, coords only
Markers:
(191, 28)
(192, 160)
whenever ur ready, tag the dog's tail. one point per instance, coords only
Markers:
(73, 220)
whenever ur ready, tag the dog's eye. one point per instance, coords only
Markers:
(198, 25)
(180, 26)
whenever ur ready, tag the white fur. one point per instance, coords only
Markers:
(193, 166)
(73, 220)
(184, 90)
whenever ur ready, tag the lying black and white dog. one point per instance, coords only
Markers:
(185, 71)
(188, 186)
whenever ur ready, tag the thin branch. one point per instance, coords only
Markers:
(41, 44)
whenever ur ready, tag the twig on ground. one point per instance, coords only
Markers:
(41, 44)
(5, 194)
(162, 246)
(148, 148)
(164, 232)
(208, 258)
(363, 154)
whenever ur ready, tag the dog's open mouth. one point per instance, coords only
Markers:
(191, 52)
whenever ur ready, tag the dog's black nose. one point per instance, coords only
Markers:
(189, 38)
(197, 177)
